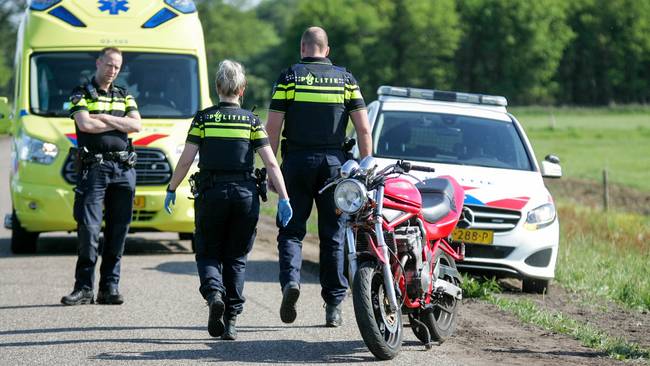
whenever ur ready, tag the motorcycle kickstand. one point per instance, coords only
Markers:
(428, 344)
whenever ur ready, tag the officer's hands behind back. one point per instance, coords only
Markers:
(284, 211)
(170, 199)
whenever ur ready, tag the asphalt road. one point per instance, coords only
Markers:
(163, 320)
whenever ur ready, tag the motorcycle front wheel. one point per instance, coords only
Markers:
(442, 318)
(381, 328)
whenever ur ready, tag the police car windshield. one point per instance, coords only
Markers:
(163, 85)
(449, 139)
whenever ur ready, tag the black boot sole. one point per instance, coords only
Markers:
(84, 301)
(229, 336)
(111, 302)
(215, 324)
(288, 311)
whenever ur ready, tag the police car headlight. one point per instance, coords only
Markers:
(540, 217)
(350, 196)
(36, 151)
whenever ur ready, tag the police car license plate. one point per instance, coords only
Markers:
(471, 236)
(138, 202)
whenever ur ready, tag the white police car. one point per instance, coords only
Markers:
(509, 223)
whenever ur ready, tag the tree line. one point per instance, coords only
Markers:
(544, 52)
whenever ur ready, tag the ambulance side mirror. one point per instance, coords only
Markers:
(5, 121)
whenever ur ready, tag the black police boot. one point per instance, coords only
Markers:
(230, 333)
(215, 324)
(78, 297)
(333, 318)
(290, 294)
(110, 297)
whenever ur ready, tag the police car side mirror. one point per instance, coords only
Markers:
(551, 167)
(5, 121)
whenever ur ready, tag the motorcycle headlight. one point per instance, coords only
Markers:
(350, 196)
(36, 151)
(540, 217)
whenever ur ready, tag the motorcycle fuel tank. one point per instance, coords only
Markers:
(404, 190)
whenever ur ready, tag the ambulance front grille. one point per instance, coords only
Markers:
(152, 168)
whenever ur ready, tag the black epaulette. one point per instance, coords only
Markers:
(253, 112)
(90, 88)
(119, 89)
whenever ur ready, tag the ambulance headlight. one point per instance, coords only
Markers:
(350, 196)
(36, 151)
(540, 217)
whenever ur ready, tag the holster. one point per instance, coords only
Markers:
(82, 158)
(132, 158)
(76, 159)
(194, 189)
(260, 182)
(347, 146)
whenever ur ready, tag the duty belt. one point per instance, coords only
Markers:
(126, 157)
(206, 179)
(119, 156)
(223, 177)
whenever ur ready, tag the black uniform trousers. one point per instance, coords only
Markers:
(305, 173)
(108, 186)
(226, 224)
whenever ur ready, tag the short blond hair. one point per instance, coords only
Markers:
(106, 50)
(231, 78)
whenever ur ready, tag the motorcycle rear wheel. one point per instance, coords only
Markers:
(380, 329)
(441, 320)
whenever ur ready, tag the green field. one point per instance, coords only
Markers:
(590, 140)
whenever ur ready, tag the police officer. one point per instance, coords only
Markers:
(104, 114)
(227, 205)
(313, 99)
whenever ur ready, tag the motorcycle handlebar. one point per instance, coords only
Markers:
(406, 166)
(422, 168)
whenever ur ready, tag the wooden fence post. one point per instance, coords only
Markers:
(605, 190)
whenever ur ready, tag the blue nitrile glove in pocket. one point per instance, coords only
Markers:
(170, 199)
(284, 211)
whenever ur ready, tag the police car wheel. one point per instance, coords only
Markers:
(22, 241)
(534, 286)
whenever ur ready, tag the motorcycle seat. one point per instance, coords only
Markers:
(437, 198)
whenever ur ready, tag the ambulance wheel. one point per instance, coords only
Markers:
(22, 241)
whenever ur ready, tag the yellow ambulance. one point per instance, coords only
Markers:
(164, 68)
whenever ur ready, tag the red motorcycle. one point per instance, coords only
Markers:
(398, 252)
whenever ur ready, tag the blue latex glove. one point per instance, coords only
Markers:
(284, 211)
(170, 199)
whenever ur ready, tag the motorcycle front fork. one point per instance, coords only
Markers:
(389, 285)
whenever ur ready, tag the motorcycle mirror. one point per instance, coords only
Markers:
(349, 168)
(367, 164)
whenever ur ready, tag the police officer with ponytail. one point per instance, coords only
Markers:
(227, 202)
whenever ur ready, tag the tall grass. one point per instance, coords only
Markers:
(605, 255)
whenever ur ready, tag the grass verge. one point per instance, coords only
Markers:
(605, 255)
(526, 311)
